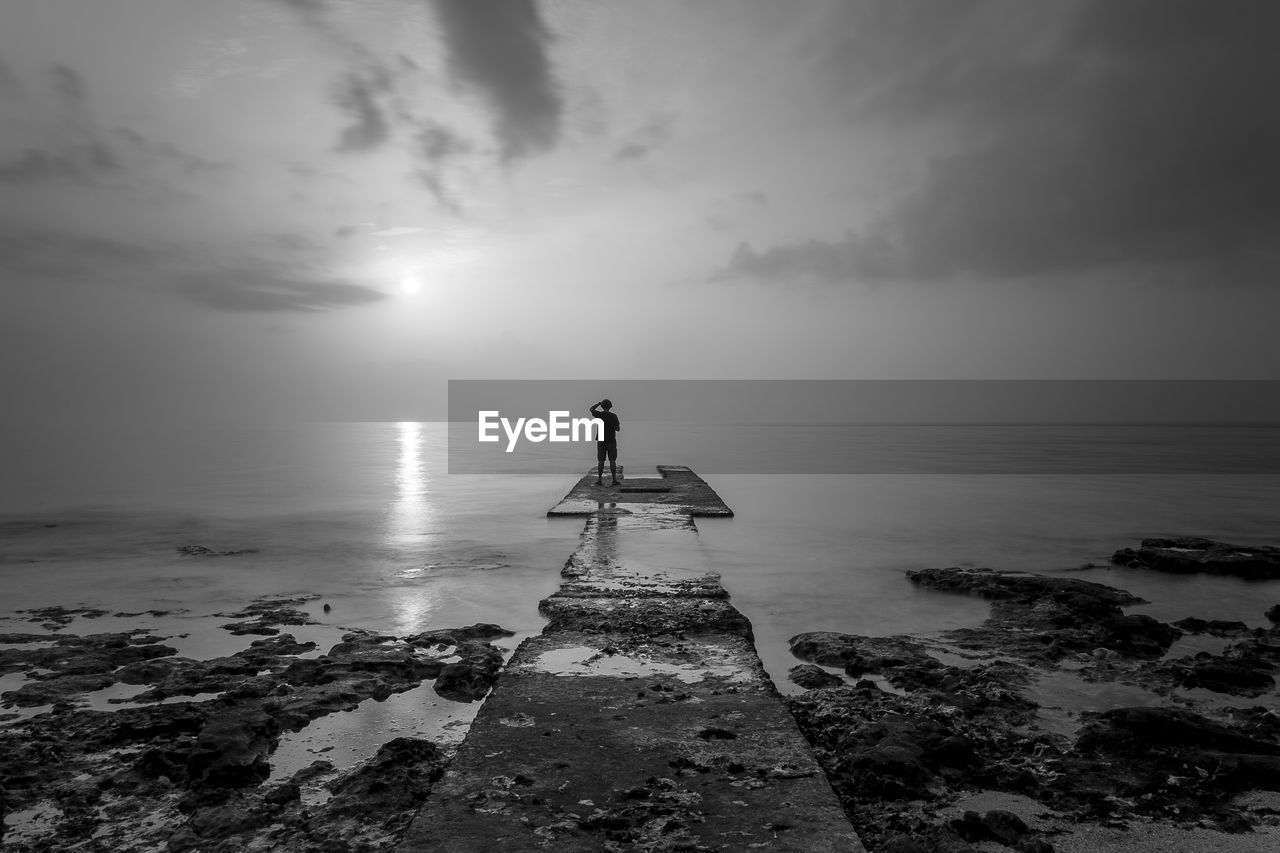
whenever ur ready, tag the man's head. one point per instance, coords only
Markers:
(606, 404)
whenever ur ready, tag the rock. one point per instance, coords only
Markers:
(813, 677)
(470, 678)
(1139, 730)
(283, 793)
(454, 636)
(397, 779)
(1273, 613)
(314, 770)
(1187, 554)
(60, 616)
(1033, 845)
(1215, 627)
(894, 768)
(188, 775)
(231, 750)
(1229, 676)
(990, 583)
(261, 616)
(1046, 619)
(857, 655)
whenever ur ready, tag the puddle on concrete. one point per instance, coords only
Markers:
(590, 661)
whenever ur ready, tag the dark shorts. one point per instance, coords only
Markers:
(607, 448)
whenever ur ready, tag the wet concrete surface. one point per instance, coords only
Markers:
(641, 718)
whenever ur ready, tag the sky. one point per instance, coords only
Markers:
(326, 209)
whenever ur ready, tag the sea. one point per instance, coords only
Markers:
(367, 518)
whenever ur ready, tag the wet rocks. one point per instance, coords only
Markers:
(1165, 762)
(394, 782)
(73, 665)
(893, 758)
(231, 749)
(263, 615)
(469, 678)
(812, 677)
(1213, 627)
(1247, 667)
(1046, 619)
(1186, 554)
(189, 775)
(453, 636)
(996, 825)
(56, 617)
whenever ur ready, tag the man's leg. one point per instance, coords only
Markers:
(613, 465)
(599, 463)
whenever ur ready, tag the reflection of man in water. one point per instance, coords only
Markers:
(609, 446)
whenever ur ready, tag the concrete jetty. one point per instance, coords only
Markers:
(641, 719)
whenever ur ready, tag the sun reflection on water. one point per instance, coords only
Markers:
(411, 515)
(409, 524)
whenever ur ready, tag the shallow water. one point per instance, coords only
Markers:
(366, 516)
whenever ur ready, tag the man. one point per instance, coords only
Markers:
(609, 446)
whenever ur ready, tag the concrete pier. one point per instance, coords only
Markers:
(641, 718)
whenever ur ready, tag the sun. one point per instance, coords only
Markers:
(410, 284)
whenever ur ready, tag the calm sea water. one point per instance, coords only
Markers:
(366, 515)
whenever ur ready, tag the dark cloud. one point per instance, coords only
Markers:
(165, 151)
(79, 164)
(39, 253)
(357, 96)
(437, 147)
(437, 143)
(1086, 134)
(499, 47)
(642, 143)
(247, 284)
(9, 82)
(854, 258)
(241, 290)
(434, 182)
(68, 84)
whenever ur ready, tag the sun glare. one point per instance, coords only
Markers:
(410, 284)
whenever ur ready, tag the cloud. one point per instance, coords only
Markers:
(242, 290)
(437, 143)
(1081, 135)
(854, 258)
(68, 84)
(79, 163)
(434, 183)
(9, 82)
(499, 48)
(167, 152)
(357, 96)
(646, 140)
(437, 147)
(244, 283)
(32, 252)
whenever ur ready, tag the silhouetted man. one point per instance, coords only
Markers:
(609, 446)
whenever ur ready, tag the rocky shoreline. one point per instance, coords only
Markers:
(189, 774)
(940, 743)
(932, 723)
